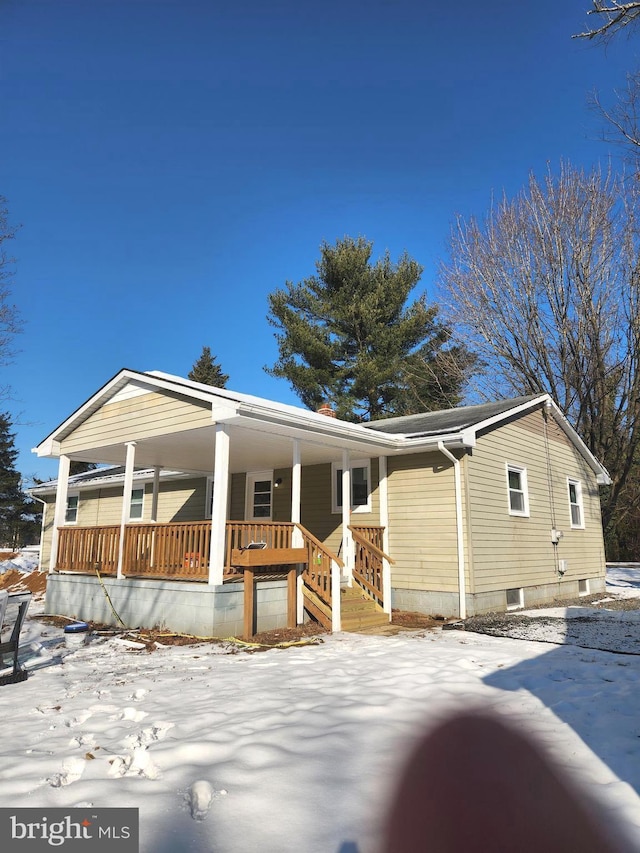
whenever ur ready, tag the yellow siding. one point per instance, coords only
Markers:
(511, 551)
(422, 522)
(317, 516)
(136, 418)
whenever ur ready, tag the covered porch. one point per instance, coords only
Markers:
(138, 423)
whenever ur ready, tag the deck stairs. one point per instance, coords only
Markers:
(358, 610)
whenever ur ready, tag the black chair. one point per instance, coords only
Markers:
(13, 611)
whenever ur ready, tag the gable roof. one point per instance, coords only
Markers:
(455, 428)
(450, 420)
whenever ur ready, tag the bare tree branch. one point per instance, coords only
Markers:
(613, 17)
(547, 290)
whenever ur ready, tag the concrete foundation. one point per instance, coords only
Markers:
(436, 603)
(189, 608)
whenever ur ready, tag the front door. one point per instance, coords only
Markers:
(259, 496)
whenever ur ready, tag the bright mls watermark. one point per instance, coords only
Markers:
(70, 830)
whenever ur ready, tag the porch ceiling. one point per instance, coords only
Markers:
(252, 448)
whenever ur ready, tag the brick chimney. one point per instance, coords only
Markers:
(325, 409)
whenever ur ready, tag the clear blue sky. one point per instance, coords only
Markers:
(172, 162)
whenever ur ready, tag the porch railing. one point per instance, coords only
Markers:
(85, 549)
(176, 550)
(368, 568)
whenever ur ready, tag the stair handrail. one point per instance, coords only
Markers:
(373, 548)
(326, 551)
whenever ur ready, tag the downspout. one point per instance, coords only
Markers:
(460, 535)
(42, 523)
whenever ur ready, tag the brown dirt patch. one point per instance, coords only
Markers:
(16, 581)
(410, 619)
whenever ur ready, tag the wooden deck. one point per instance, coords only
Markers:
(180, 551)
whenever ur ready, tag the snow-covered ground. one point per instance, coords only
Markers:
(297, 749)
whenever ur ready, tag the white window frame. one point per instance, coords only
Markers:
(571, 481)
(71, 495)
(512, 468)
(137, 488)
(251, 478)
(336, 470)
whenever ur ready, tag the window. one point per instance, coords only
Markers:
(515, 598)
(258, 496)
(360, 487)
(518, 492)
(71, 513)
(136, 506)
(583, 587)
(575, 503)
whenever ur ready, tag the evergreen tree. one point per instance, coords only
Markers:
(18, 512)
(207, 371)
(347, 336)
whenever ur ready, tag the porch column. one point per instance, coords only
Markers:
(347, 541)
(126, 500)
(219, 506)
(61, 507)
(156, 490)
(296, 539)
(383, 493)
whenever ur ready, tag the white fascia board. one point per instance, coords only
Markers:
(602, 475)
(49, 447)
(509, 413)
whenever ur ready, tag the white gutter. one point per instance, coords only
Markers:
(459, 530)
(42, 523)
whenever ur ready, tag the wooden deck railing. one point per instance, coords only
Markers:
(178, 550)
(368, 565)
(85, 549)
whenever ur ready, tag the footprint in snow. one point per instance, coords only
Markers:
(200, 797)
(78, 720)
(130, 714)
(148, 735)
(139, 694)
(72, 770)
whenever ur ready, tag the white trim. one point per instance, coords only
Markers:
(336, 508)
(383, 494)
(130, 461)
(72, 493)
(251, 478)
(137, 488)
(579, 503)
(457, 482)
(219, 507)
(512, 467)
(61, 507)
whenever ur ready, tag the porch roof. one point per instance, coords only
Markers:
(261, 430)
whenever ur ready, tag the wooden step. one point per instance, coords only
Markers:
(358, 611)
(358, 621)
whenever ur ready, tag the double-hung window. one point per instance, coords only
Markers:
(360, 486)
(517, 490)
(71, 512)
(576, 509)
(136, 507)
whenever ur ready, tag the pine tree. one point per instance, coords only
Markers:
(348, 337)
(207, 371)
(18, 512)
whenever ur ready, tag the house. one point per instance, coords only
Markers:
(221, 513)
